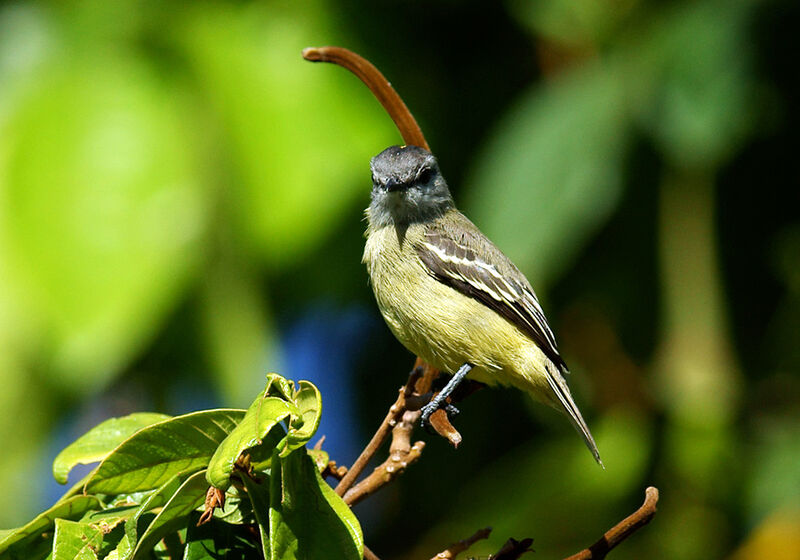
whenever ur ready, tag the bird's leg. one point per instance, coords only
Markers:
(440, 399)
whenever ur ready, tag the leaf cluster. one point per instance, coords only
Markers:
(145, 497)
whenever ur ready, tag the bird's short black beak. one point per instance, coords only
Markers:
(393, 185)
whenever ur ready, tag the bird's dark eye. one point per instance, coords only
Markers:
(425, 175)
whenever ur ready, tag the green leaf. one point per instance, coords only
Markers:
(76, 541)
(279, 386)
(95, 444)
(237, 509)
(155, 454)
(259, 493)
(552, 172)
(15, 543)
(304, 424)
(112, 523)
(215, 540)
(255, 429)
(320, 458)
(156, 499)
(307, 518)
(189, 496)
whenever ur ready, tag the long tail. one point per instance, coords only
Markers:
(560, 388)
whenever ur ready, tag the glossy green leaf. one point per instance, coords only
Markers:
(320, 458)
(95, 444)
(155, 454)
(552, 172)
(76, 541)
(135, 524)
(304, 425)
(111, 518)
(14, 543)
(279, 386)
(186, 499)
(257, 428)
(259, 494)
(307, 518)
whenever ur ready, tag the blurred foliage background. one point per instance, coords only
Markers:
(181, 203)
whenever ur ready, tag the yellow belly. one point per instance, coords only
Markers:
(445, 327)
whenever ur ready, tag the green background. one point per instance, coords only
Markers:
(179, 190)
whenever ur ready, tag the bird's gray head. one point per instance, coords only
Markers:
(407, 187)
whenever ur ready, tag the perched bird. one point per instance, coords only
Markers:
(449, 295)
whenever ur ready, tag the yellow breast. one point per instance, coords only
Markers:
(440, 324)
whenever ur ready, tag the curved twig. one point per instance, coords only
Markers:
(456, 548)
(621, 530)
(378, 84)
(392, 418)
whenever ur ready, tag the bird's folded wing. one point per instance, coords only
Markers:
(468, 262)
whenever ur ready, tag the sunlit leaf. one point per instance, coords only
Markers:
(320, 458)
(305, 424)
(76, 541)
(156, 499)
(186, 499)
(279, 386)
(258, 426)
(109, 519)
(95, 444)
(15, 543)
(155, 454)
(307, 518)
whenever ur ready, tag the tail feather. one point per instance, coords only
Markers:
(561, 390)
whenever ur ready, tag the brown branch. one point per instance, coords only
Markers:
(621, 530)
(379, 86)
(456, 548)
(392, 417)
(401, 455)
(513, 549)
(369, 555)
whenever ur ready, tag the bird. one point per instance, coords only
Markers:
(450, 296)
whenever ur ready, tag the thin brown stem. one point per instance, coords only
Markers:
(457, 548)
(621, 530)
(369, 555)
(378, 84)
(401, 455)
(392, 417)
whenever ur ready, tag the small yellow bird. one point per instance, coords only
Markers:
(449, 295)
